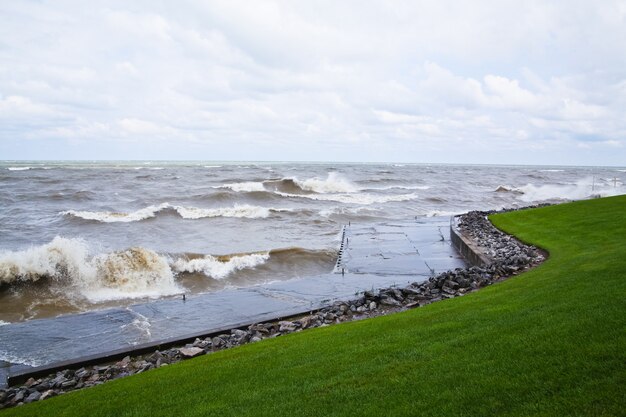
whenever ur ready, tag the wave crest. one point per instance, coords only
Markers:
(117, 217)
(190, 213)
(133, 273)
(220, 267)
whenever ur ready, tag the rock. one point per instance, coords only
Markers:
(373, 305)
(361, 309)
(239, 333)
(371, 295)
(124, 362)
(47, 394)
(34, 396)
(68, 384)
(3, 396)
(217, 342)
(305, 321)
(388, 301)
(81, 373)
(201, 343)
(255, 339)
(240, 336)
(31, 381)
(155, 357)
(19, 396)
(447, 290)
(412, 305)
(191, 352)
(286, 326)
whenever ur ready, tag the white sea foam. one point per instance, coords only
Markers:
(4, 323)
(442, 213)
(362, 198)
(240, 211)
(18, 168)
(244, 187)
(116, 217)
(400, 187)
(212, 166)
(219, 269)
(551, 170)
(140, 323)
(12, 358)
(580, 190)
(59, 257)
(133, 273)
(345, 211)
(334, 183)
(508, 188)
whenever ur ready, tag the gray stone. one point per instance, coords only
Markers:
(68, 384)
(305, 321)
(373, 305)
(447, 290)
(34, 396)
(124, 362)
(286, 326)
(388, 301)
(47, 394)
(19, 396)
(217, 342)
(191, 352)
(239, 333)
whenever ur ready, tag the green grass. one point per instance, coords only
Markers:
(550, 342)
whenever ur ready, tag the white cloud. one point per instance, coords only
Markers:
(382, 80)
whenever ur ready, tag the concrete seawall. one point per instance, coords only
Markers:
(466, 247)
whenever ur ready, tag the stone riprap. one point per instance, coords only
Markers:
(507, 255)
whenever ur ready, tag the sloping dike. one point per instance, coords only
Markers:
(371, 256)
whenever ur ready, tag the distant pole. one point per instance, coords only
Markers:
(593, 183)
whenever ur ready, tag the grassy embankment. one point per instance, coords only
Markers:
(551, 342)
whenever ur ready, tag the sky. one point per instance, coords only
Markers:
(512, 82)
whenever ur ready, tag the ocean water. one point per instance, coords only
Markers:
(82, 236)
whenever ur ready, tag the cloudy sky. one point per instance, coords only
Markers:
(439, 81)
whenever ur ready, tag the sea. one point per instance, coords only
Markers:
(90, 235)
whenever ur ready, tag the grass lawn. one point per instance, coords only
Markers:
(551, 342)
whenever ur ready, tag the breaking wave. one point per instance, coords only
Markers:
(190, 213)
(240, 211)
(586, 188)
(18, 168)
(220, 267)
(333, 188)
(362, 199)
(115, 217)
(334, 183)
(133, 273)
(67, 266)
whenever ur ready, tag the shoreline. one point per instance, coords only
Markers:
(509, 258)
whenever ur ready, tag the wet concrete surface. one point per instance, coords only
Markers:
(372, 256)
